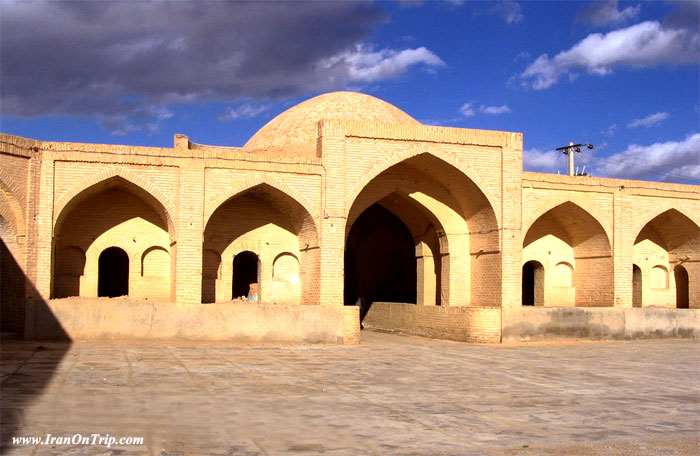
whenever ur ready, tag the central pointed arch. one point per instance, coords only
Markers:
(452, 222)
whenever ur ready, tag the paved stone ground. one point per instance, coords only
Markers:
(392, 395)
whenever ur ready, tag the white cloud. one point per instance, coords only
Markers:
(649, 121)
(642, 45)
(467, 110)
(539, 160)
(244, 111)
(125, 130)
(440, 121)
(509, 10)
(158, 114)
(365, 65)
(610, 131)
(606, 12)
(677, 161)
(503, 109)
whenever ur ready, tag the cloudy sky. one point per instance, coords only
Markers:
(624, 76)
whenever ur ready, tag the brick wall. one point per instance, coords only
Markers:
(466, 324)
(476, 218)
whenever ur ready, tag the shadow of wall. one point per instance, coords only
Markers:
(27, 367)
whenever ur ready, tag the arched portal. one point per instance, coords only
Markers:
(533, 284)
(266, 222)
(668, 241)
(113, 273)
(112, 213)
(245, 275)
(637, 286)
(452, 226)
(575, 251)
(380, 259)
(682, 288)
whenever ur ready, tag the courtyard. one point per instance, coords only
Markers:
(390, 395)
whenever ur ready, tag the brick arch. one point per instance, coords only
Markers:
(551, 208)
(10, 207)
(450, 195)
(11, 186)
(151, 193)
(648, 218)
(590, 245)
(557, 200)
(412, 152)
(218, 200)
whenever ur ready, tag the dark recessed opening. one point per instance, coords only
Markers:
(245, 273)
(682, 295)
(380, 260)
(533, 284)
(113, 271)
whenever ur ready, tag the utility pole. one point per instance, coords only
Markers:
(569, 150)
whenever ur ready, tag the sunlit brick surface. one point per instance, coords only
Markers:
(291, 197)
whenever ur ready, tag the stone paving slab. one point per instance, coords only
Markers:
(391, 395)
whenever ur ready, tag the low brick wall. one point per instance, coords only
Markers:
(540, 323)
(100, 318)
(466, 324)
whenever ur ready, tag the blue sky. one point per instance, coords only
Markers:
(624, 76)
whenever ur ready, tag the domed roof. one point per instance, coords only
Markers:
(294, 131)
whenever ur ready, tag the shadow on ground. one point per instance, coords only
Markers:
(22, 383)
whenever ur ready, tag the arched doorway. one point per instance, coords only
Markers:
(245, 274)
(265, 220)
(380, 260)
(682, 290)
(636, 286)
(574, 246)
(533, 284)
(664, 244)
(453, 229)
(113, 273)
(112, 213)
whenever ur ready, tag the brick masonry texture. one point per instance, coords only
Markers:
(291, 196)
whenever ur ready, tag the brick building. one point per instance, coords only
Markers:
(341, 208)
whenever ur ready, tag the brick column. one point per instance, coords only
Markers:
(425, 276)
(187, 271)
(332, 226)
(41, 198)
(622, 257)
(39, 238)
(511, 222)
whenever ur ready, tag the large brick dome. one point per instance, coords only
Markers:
(294, 131)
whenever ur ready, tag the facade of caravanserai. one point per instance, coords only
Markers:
(341, 210)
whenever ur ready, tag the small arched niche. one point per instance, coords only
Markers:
(286, 268)
(658, 278)
(70, 267)
(563, 275)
